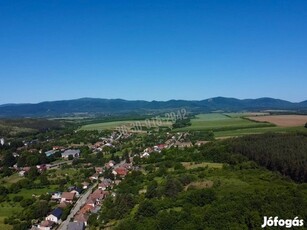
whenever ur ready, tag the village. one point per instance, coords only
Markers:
(83, 198)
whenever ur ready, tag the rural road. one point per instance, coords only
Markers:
(81, 201)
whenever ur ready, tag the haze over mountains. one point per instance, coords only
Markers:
(118, 106)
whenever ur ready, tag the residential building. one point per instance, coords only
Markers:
(74, 152)
(120, 171)
(76, 226)
(67, 197)
(55, 216)
(45, 225)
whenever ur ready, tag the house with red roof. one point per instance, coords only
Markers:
(120, 171)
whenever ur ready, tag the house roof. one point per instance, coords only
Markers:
(79, 190)
(104, 183)
(75, 189)
(57, 213)
(75, 226)
(98, 169)
(121, 171)
(46, 223)
(71, 152)
(68, 195)
(90, 201)
(98, 195)
(86, 208)
(80, 217)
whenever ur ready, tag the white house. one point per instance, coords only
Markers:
(55, 216)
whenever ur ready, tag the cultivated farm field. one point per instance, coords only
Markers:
(223, 124)
(283, 120)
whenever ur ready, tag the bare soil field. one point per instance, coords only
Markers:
(283, 120)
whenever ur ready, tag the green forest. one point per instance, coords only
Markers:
(179, 188)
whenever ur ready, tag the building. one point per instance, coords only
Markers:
(74, 152)
(45, 225)
(77, 191)
(85, 185)
(106, 183)
(200, 143)
(97, 196)
(76, 226)
(120, 171)
(55, 216)
(56, 196)
(99, 170)
(81, 218)
(67, 197)
(50, 153)
(183, 145)
(94, 177)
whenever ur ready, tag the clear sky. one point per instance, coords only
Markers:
(152, 50)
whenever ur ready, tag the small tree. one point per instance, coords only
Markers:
(33, 173)
(70, 157)
(146, 209)
(306, 125)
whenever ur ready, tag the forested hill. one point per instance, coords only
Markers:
(112, 106)
(286, 153)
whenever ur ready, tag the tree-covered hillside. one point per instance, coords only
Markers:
(215, 186)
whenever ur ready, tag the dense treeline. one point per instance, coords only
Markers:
(286, 153)
(180, 123)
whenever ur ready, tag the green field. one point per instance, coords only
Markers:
(247, 131)
(223, 125)
(193, 165)
(7, 181)
(219, 122)
(116, 124)
(7, 209)
(231, 125)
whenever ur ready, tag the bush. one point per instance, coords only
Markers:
(17, 198)
(201, 197)
(147, 209)
(27, 202)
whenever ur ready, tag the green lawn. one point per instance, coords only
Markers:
(27, 193)
(6, 209)
(4, 226)
(11, 179)
(192, 165)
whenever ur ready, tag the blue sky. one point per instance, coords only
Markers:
(152, 50)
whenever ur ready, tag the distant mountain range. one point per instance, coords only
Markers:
(118, 106)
